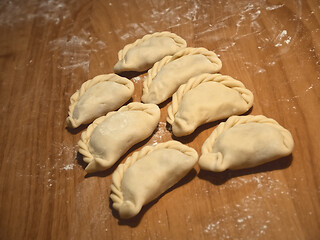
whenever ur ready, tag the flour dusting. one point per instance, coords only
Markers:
(136, 79)
(160, 133)
(255, 67)
(249, 210)
(76, 50)
(68, 167)
(274, 7)
(50, 11)
(309, 88)
(282, 38)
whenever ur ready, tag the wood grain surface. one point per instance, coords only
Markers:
(49, 48)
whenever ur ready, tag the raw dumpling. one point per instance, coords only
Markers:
(143, 53)
(165, 77)
(98, 96)
(110, 136)
(207, 98)
(148, 173)
(243, 142)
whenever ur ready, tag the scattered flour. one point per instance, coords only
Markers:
(274, 7)
(282, 34)
(240, 220)
(68, 167)
(136, 79)
(211, 227)
(249, 210)
(287, 41)
(76, 50)
(160, 133)
(50, 183)
(50, 11)
(255, 67)
(309, 88)
(282, 38)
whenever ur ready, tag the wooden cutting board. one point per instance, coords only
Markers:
(49, 48)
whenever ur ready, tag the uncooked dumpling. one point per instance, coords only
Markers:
(165, 77)
(243, 142)
(143, 53)
(111, 136)
(207, 98)
(98, 96)
(148, 173)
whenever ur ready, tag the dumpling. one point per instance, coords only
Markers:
(110, 136)
(148, 173)
(244, 142)
(165, 77)
(143, 53)
(96, 97)
(207, 98)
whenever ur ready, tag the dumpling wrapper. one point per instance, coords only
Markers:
(143, 53)
(244, 142)
(165, 77)
(111, 136)
(98, 96)
(148, 173)
(207, 98)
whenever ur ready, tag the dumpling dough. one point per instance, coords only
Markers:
(110, 136)
(143, 53)
(207, 98)
(244, 142)
(98, 96)
(165, 77)
(148, 173)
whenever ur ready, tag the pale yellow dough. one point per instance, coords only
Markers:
(206, 98)
(98, 96)
(110, 136)
(243, 142)
(148, 173)
(143, 53)
(165, 77)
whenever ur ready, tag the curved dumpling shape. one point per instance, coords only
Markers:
(98, 96)
(110, 136)
(143, 53)
(165, 77)
(148, 173)
(207, 98)
(243, 142)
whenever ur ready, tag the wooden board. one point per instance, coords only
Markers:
(49, 48)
